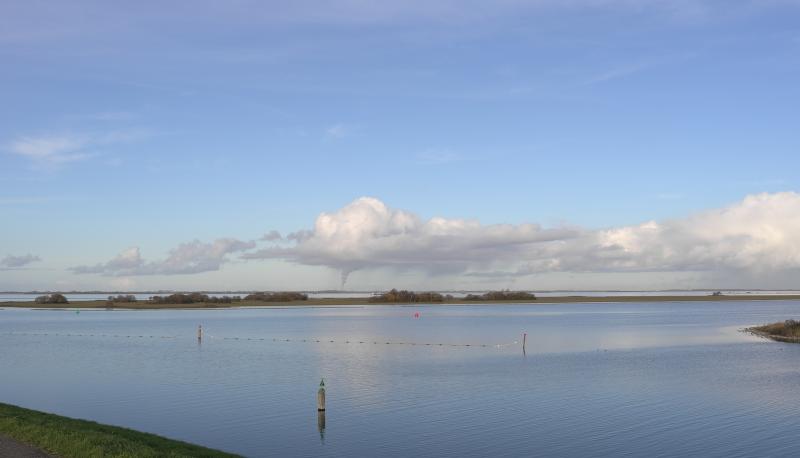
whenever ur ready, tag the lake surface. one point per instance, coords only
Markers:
(626, 379)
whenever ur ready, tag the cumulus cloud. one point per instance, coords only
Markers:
(761, 233)
(758, 235)
(187, 258)
(271, 236)
(16, 262)
(368, 234)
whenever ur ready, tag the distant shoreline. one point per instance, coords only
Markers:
(145, 305)
(443, 291)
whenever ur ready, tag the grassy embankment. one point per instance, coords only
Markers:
(67, 437)
(365, 301)
(786, 331)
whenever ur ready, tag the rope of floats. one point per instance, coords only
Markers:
(265, 339)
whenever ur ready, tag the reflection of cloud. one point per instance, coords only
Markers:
(757, 235)
(187, 258)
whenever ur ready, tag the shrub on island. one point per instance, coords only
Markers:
(501, 296)
(194, 298)
(285, 296)
(54, 298)
(787, 331)
(404, 296)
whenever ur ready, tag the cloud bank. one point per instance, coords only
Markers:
(758, 235)
(16, 262)
(187, 258)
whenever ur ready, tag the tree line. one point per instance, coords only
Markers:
(194, 298)
(200, 298)
(405, 296)
(504, 295)
(285, 296)
(394, 295)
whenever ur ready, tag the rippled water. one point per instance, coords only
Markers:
(657, 379)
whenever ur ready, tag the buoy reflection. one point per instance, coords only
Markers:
(321, 424)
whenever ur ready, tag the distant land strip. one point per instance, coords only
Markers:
(146, 305)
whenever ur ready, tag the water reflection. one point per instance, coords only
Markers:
(321, 424)
(682, 381)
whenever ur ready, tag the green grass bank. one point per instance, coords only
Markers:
(67, 437)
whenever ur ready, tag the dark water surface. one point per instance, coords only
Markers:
(628, 379)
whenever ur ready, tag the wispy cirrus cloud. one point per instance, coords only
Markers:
(52, 150)
(187, 258)
(439, 156)
(341, 130)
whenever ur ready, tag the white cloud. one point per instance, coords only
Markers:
(16, 262)
(438, 156)
(368, 234)
(759, 235)
(51, 149)
(187, 258)
(340, 130)
(271, 236)
(59, 149)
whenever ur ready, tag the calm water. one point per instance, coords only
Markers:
(660, 379)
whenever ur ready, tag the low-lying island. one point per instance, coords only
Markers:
(786, 331)
(366, 301)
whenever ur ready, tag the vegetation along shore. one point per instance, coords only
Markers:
(290, 299)
(66, 437)
(785, 331)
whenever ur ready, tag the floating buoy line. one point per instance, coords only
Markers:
(265, 339)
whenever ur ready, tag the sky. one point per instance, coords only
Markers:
(539, 144)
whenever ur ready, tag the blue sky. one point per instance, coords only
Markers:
(155, 124)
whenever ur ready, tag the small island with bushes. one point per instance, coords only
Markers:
(505, 295)
(200, 298)
(55, 298)
(394, 296)
(786, 331)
